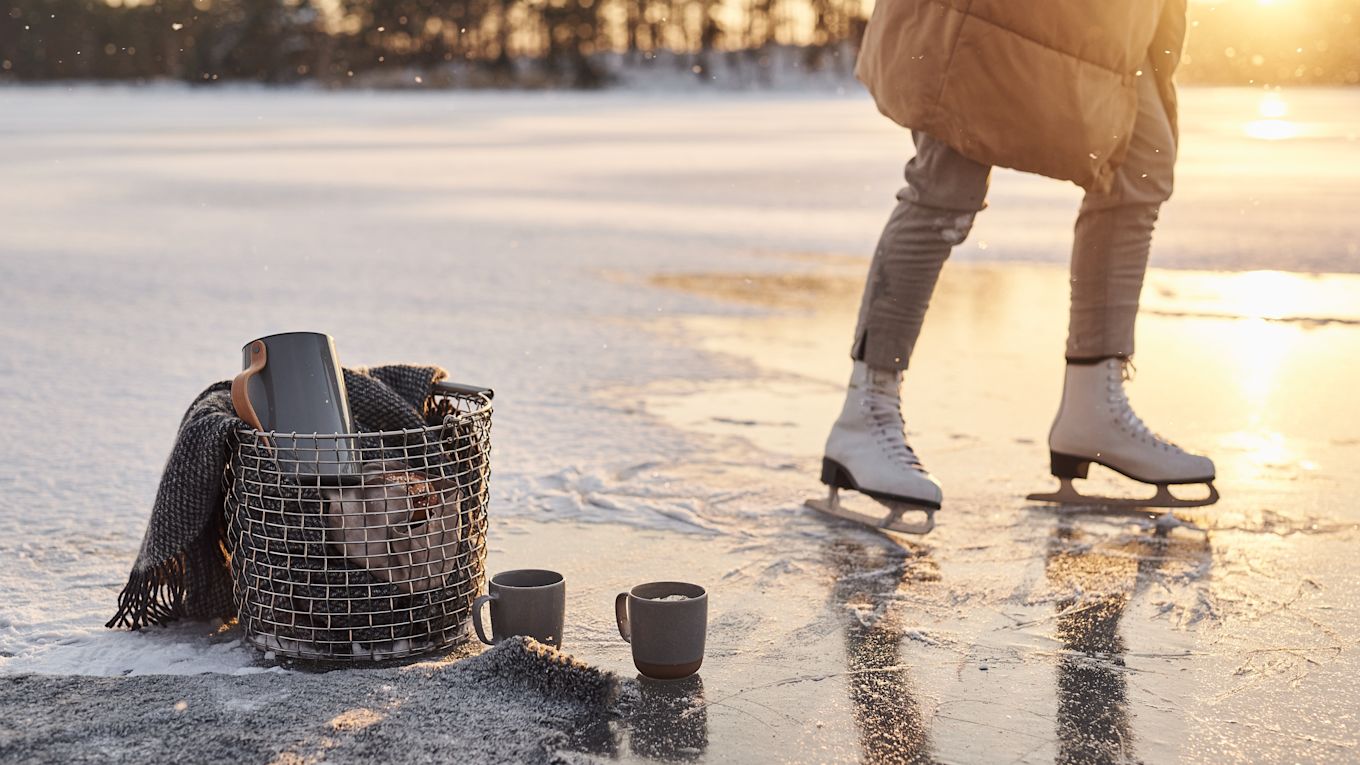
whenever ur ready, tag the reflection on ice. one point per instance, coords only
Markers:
(1273, 106)
(670, 722)
(892, 727)
(1093, 716)
(1100, 578)
(1263, 448)
(1305, 299)
(1272, 130)
(1272, 126)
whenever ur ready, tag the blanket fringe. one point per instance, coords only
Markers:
(154, 596)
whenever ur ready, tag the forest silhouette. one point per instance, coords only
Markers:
(569, 43)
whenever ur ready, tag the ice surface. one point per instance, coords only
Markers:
(1103, 638)
(148, 233)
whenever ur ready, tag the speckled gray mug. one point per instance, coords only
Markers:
(667, 635)
(528, 601)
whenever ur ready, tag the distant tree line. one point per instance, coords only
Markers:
(575, 43)
(508, 41)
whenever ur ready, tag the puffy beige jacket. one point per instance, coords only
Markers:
(1046, 86)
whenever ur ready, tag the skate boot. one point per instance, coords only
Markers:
(867, 452)
(1095, 423)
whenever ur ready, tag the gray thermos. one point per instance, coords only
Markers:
(293, 388)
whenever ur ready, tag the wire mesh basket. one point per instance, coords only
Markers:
(381, 563)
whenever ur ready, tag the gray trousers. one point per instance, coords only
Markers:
(935, 211)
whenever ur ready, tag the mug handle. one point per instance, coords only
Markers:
(240, 396)
(477, 617)
(621, 616)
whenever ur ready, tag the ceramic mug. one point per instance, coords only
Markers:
(667, 631)
(530, 602)
(293, 383)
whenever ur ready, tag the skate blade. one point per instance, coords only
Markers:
(1075, 502)
(890, 522)
(1163, 499)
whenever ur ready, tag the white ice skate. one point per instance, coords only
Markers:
(1096, 424)
(867, 452)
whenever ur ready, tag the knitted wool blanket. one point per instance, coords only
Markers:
(182, 568)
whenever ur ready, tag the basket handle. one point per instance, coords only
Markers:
(240, 395)
(444, 386)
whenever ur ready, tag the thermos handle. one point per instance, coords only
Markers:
(240, 396)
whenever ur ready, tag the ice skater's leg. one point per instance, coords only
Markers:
(1095, 422)
(1114, 235)
(867, 449)
(934, 212)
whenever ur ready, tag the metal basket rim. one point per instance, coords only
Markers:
(485, 410)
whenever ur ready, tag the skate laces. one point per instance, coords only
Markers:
(883, 406)
(1125, 417)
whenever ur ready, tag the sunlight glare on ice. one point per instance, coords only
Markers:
(1273, 126)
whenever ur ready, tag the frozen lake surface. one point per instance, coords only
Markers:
(660, 288)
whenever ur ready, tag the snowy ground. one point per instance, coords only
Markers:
(670, 427)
